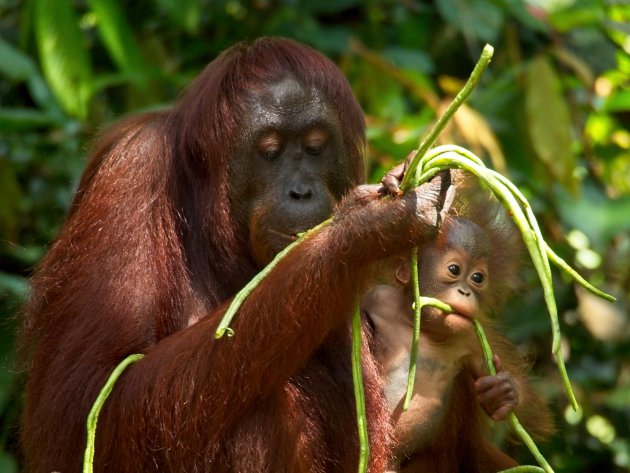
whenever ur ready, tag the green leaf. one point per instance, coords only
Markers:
(14, 63)
(573, 17)
(15, 285)
(519, 9)
(187, 13)
(618, 102)
(480, 20)
(8, 463)
(118, 36)
(20, 67)
(63, 55)
(410, 59)
(549, 122)
(598, 217)
(24, 119)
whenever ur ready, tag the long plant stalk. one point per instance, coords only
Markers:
(88, 458)
(516, 425)
(418, 304)
(359, 393)
(417, 311)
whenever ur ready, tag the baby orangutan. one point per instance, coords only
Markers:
(472, 268)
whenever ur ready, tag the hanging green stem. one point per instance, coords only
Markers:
(359, 393)
(417, 311)
(418, 304)
(88, 458)
(522, 433)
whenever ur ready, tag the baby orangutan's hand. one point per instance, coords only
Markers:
(498, 394)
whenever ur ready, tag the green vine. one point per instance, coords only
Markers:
(359, 393)
(516, 425)
(92, 419)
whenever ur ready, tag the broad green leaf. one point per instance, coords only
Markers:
(19, 67)
(410, 59)
(481, 20)
(572, 18)
(549, 122)
(14, 63)
(598, 217)
(118, 36)
(187, 13)
(519, 9)
(63, 55)
(24, 119)
(618, 102)
(8, 463)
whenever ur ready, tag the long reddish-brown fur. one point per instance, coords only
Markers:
(147, 262)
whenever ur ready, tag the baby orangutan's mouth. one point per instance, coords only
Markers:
(460, 312)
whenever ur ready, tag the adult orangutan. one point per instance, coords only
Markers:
(175, 212)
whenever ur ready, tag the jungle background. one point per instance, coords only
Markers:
(552, 113)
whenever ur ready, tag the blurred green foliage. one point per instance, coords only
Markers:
(553, 112)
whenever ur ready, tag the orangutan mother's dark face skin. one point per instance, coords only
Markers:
(291, 166)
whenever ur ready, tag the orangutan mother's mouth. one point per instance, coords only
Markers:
(286, 236)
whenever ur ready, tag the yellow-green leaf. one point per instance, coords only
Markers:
(63, 55)
(549, 122)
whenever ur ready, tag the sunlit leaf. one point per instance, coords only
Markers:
(574, 16)
(117, 35)
(549, 122)
(618, 102)
(601, 428)
(63, 55)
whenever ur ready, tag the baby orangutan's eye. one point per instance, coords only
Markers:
(454, 269)
(477, 278)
